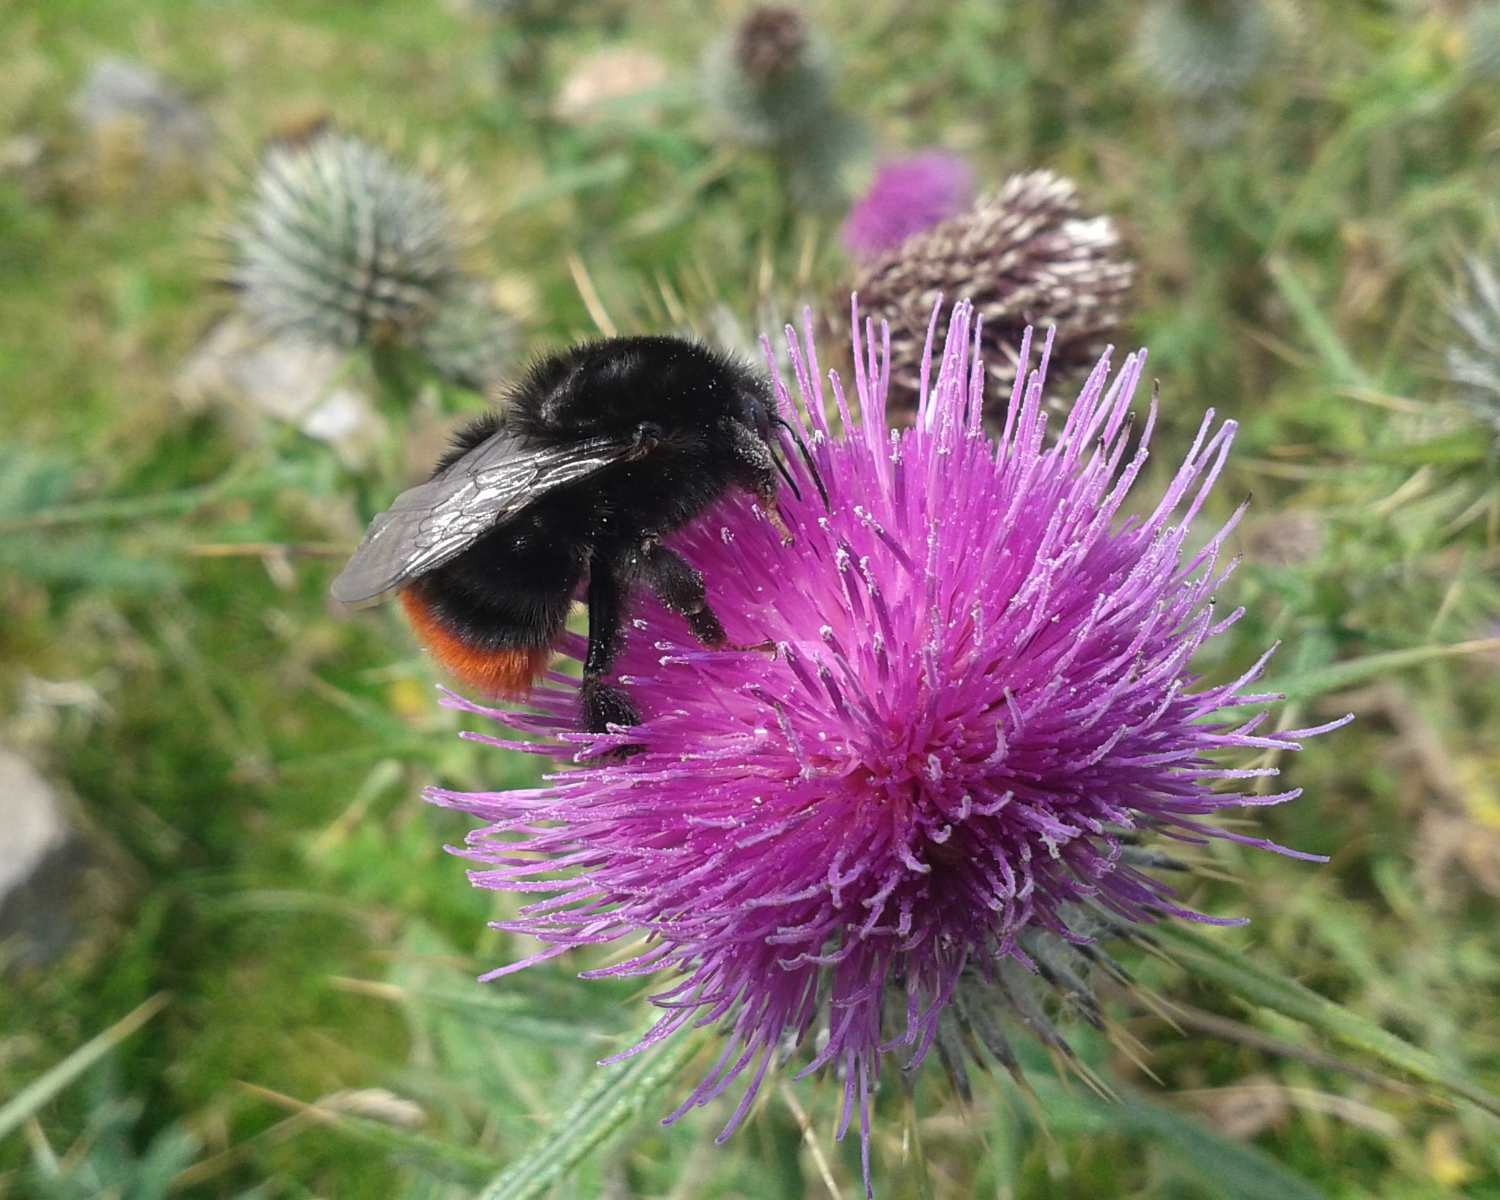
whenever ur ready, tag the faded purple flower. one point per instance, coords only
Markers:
(980, 703)
(908, 195)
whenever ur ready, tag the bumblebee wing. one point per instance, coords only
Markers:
(435, 521)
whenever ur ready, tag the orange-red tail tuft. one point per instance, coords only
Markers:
(493, 672)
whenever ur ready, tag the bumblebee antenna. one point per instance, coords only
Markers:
(807, 458)
(786, 476)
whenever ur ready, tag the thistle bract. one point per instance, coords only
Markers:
(979, 709)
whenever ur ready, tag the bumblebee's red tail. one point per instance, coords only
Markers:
(507, 672)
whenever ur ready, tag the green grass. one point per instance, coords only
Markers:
(250, 767)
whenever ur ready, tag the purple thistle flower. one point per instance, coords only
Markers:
(909, 195)
(980, 700)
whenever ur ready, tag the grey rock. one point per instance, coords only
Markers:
(254, 377)
(124, 96)
(40, 858)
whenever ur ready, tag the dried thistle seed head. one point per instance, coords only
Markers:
(771, 42)
(1024, 255)
(339, 244)
(1203, 50)
(1473, 355)
(469, 340)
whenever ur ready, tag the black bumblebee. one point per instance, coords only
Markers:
(599, 453)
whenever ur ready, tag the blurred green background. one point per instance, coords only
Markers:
(243, 762)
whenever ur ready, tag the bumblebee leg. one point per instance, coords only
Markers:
(680, 587)
(602, 704)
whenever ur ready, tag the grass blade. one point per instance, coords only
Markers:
(29, 1099)
(1316, 326)
(1331, 678)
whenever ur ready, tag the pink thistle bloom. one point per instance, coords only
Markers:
(908, 195)
(980, 702)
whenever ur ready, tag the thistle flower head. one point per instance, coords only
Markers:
(1204, 50)
(981, 700)
(1025, 255)
(907, 196)
(1473, 356)
(339, 244)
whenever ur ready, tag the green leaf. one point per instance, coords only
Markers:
(1241, 976)
(606, 172)
(614, 1100)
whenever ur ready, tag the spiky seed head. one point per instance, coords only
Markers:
(339, 244)
(1203, 50)
(1025, 254)
(1473, 356)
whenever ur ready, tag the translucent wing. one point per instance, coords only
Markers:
(435, 521)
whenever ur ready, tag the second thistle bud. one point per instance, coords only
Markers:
(772, 78)
(1025, 255)
(907, 196)
(769, 84)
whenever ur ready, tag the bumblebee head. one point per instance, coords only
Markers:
(757, 410)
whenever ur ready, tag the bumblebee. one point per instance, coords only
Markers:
(596, 456)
